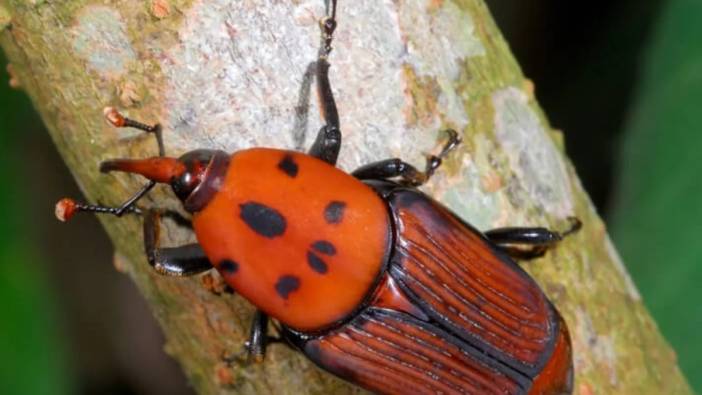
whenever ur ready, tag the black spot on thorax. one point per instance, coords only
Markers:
(316, 263)
(334, 212)
(288, 166)
(228, 266)
(324, 247)
(264, 220)
(286, 285)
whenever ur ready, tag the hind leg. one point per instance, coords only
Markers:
(529, 243)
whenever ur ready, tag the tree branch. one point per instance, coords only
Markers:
(233, 74)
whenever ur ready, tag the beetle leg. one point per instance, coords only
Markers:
(395, 167)
(174, 261)
(536, 240)
(390, 168)
(328, 142)
(258, 341)
(258, 337)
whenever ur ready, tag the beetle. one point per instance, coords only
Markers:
(370, 278)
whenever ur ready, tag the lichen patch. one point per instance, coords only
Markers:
(100, 38)
(469, 199)
(603, 356)
(480, 197)
(442, 37)
(537, 163)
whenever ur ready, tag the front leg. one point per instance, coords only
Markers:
(180, 261)
(328, 142)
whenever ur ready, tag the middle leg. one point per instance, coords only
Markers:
(390, 168)
(529, 243)
(181, 261)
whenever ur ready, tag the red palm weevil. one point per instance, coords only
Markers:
(370, 278)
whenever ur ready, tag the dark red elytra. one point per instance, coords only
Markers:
(371, 279)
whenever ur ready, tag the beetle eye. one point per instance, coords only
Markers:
(196, 163)
(184, 185)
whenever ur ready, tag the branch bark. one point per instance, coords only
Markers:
(234, 74)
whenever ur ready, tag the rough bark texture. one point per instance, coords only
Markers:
(232, 74)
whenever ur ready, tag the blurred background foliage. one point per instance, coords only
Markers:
(656, 215)
(621, 78)
(31, 338)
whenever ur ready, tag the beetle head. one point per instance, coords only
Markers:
(194, 177)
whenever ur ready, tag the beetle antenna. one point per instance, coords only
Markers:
(328, 25)
(66, 208)
(116, 119)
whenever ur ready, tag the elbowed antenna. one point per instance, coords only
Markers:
(116, 119)
(157, 169)
(66, 208)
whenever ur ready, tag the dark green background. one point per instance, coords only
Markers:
(623, 79)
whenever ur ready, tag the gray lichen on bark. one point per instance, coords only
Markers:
(234, 74)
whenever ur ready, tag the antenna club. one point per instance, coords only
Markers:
(114, 117)
(65, 209)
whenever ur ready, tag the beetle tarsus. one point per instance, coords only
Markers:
(575, 225)
(328, 25)
(434, 161)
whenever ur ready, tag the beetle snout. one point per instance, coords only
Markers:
(159, 169)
